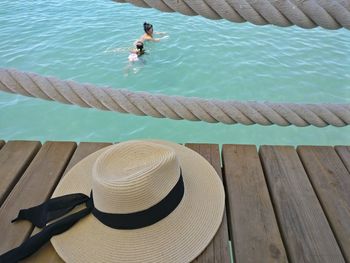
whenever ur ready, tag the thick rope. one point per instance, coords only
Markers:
(329, 14)
(173, 107)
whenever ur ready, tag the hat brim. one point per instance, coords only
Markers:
(180, 237)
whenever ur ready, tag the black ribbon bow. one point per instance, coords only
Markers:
(57, 207)
(42, 214)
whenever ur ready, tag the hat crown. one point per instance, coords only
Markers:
(133, 176)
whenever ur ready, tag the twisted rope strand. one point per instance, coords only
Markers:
(173, 107)
(329, 14)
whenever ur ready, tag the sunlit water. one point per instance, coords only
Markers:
(88, 41)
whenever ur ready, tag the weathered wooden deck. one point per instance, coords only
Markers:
(283, 204)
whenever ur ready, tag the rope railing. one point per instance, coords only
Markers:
(173, 107)
(329, 14)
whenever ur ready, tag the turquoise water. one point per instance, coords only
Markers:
(88, 41)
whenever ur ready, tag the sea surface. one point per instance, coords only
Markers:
(89, 42)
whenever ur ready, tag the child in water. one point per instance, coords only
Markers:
(148, 36)
(137, 52)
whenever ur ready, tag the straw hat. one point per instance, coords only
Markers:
(133, 176)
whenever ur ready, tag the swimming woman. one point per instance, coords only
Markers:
(148, 35)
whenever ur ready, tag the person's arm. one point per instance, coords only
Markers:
(160, 33)
(157, 39)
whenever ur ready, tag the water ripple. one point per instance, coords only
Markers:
(90, 42)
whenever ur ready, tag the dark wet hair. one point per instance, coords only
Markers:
(147, 27)
(139, 45)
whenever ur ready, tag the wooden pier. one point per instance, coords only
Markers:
(283, 204)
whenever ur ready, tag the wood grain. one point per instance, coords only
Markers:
(305, 230)
(15, 157)
(331, 181)
(255, 233)
(34, 187)
(218, 249)
(344, 154)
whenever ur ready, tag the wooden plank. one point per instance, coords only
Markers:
(47, 253)
(34, 187)
(254, 229)
(344, 153)
(305, 231)
(331, 181)
(218, 250)
(15, 157)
